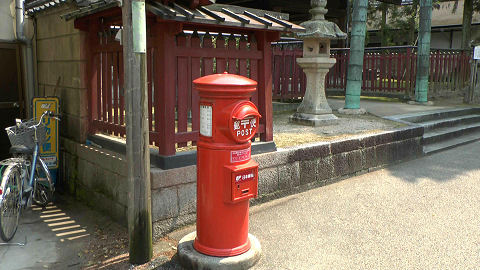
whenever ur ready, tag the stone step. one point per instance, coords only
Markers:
(443, 134)
(448, 144)
(437, 115)
(450, 122)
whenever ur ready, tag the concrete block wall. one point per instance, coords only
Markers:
(287, 171)
(174, 197)
(97, 177)
(61, 68)
(61, 71)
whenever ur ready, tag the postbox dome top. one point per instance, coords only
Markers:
(225, 79)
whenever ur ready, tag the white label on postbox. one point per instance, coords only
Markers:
(240, 155)
(206, 120)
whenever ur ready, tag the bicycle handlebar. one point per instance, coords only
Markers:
(48, 114)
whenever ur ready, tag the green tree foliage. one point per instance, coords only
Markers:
(469, 6)
(393, 20)
(396, 21)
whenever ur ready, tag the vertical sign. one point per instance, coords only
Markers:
(206, 120)
(49, 148)
(476, 53)
(139, 27)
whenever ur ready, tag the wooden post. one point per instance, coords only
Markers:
(265, 82)
(93, 73)
(165, 89)
(138, 154)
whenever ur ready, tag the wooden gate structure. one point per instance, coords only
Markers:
(182, 45)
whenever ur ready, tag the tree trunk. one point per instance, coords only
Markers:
(423, 54)
(357, 47)
(467, 23)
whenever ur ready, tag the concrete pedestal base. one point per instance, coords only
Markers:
(352, 111)
(192, 259)
(413, 102)
(313, 119)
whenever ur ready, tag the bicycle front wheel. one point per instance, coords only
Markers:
(10, 202)
(42, 184)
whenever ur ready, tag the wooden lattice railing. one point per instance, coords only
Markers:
(173, 62)
(386, 70)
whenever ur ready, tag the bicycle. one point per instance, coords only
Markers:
(24, 177)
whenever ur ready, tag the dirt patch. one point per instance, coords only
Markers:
(108, 249)
(286, 134)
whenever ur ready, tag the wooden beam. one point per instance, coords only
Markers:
(138, 154)
(257, 18)
(235, 16)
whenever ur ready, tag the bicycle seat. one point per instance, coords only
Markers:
(21, 149)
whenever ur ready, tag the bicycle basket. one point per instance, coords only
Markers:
(24, 134)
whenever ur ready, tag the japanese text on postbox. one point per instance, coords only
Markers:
(245, 127)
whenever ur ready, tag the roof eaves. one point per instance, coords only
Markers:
(90, 9)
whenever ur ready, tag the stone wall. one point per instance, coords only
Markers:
(287, 171)
(61, 67)
(97, 177)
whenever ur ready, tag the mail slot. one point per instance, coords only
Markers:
(242, 182)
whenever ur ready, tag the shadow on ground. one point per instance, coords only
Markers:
(440, 167)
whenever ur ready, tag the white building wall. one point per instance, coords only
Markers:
(457, 39)
(7, 20)
(440, 40)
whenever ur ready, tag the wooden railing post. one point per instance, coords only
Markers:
(408, 71)
(165, 80)
(265, 82)
(92, 73)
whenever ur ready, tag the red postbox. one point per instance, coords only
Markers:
(227, 177)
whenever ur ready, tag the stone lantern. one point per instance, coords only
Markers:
(316, 62)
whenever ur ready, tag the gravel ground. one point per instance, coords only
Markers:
(286, 134)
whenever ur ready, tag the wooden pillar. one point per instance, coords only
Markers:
(138, 154)
(92, 72)
(265, 82)
(165, 79)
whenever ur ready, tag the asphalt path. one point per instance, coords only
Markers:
(421, 214)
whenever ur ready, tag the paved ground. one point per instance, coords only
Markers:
(383, 108)
(422, 214)
(58, 237)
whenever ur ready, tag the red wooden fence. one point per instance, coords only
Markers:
(173, 62)
(389, 70)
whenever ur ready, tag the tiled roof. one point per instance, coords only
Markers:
(218, 14)
(213, 14)
(34, 6)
